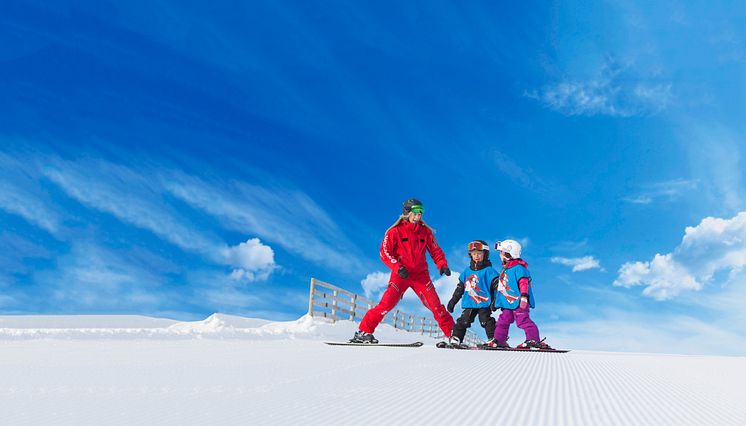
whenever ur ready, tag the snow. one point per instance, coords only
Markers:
(226, 370)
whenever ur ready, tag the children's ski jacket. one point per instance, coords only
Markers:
(477, 284)
(405, 244)
(514, 281)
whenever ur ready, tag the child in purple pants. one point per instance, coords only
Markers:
(514, 294)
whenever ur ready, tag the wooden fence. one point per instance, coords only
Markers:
(335, 303)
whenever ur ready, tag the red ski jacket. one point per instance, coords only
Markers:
(405, 244)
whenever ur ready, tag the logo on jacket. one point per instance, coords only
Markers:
(472, 289)
(503, 288)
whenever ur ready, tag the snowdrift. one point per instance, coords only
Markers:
(218, 326)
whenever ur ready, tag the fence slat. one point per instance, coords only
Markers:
(334, 310)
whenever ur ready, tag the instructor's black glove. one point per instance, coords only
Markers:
(445, 271)
(402, 272)
(452, 304)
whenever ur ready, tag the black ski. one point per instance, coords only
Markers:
(387, 345)
(446, 345)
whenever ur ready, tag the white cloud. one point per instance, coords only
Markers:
(578, 263)
(446, 285)
(663, 277)
(712, 246)
(615, 92)
(253, 260)
(374, 282)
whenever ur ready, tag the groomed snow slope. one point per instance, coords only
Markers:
(229, 370)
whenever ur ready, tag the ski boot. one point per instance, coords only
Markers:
(492, 343)
(363, 337)
(453, 342)
(533, 344)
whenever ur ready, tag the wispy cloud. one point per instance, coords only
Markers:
(523, 176)
(17, 251)
(571, 246)
(93, 278)
(282, 216)
(664, 191)
(131, 196)
(151, 198)
(21, 193)
(614, 92)
(715, 161)
(578, 263)
(712, 246)
(138, 198)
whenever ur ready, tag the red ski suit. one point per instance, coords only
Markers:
(404, 245)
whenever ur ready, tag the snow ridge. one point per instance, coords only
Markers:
(216, 326)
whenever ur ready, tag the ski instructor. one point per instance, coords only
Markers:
(403, 251)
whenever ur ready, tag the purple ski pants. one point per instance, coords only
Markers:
(522, 320)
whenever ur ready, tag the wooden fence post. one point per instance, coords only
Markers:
(334, 305)
(353, 307)
(310, 298)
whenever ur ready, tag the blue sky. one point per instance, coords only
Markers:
(177, 159)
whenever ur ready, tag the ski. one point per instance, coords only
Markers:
(387, 345)
(487, 348)
(445, 345)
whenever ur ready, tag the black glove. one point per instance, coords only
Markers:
(452, 304)
(402, 272)
(445, 271)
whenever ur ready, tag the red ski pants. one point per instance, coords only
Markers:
(423, 287)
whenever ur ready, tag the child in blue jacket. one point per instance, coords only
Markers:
(514, 294)
(476, 281)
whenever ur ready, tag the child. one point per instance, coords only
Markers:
(514, 294)
(476, 281)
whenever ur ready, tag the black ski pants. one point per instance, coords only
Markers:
(468, 316)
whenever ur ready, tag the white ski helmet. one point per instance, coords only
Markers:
(512, 247)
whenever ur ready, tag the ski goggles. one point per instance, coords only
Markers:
(478, 246)
(417, 208)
